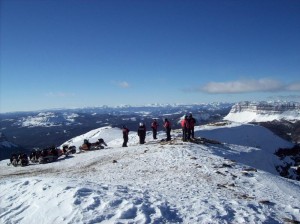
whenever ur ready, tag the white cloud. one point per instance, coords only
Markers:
(122, 84)
(294, 86)
(243, 86)
(286, 98)
(246, 86)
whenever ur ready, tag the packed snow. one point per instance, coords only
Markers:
(158, 182)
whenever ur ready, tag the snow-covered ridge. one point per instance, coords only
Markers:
(264, 111)
(180, 182)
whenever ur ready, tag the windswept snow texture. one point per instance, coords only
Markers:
(175, 182)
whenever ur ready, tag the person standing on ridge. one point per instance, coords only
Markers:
(184, 128)
(192, 124)
(125, 131)
(154, 126)
(167, 126)
(188, 129)
(142, 133)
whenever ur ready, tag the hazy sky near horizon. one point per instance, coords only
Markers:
(76, 53)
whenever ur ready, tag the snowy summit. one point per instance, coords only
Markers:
(229, 180)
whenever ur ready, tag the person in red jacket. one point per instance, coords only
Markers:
(184, 125)
(167, 126)
(154, 126)
(125, 131)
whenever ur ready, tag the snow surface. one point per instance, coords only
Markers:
(177, 182)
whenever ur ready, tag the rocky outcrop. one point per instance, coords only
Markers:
(264, 111)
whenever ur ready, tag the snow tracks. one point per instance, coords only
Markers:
(61, 201)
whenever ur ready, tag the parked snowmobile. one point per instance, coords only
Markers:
(20, 159)
(35, 155)
(67, 150)
(87, 146)
(46, 155)
(49, 155)
(98, 144)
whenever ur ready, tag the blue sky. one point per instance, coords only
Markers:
(59, 53)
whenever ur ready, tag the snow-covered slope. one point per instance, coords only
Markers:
(258, 144)
(262, 112)
(178, 182)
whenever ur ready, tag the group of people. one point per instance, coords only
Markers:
(187, 125)
(142, 131)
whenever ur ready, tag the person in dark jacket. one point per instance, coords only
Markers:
(125, 131)
(154, 126)
(167, 126)
(142, 133)
(192, 124)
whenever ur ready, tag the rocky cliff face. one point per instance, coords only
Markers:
(282, 118)
(264, 111)
(274, 107)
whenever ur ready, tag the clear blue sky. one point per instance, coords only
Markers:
(71, 53)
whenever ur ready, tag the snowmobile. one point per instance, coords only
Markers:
(20, 159)
(87, 146)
